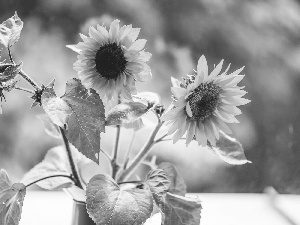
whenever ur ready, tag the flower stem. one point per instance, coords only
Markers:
(24, 89)
(142, 154)
(57, 175)
(114, 164)
(71, 160)
(126, 157)
(10, 56)
(29, 80)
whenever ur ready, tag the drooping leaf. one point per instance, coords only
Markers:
(55, 162)
(126, 112)
(108, 203)
(56, 108)
(11, 200)
(86, 120)
(136, 125)
(50, 128)
(179, 210)
(230, 150)
(159, 184)
(150, 98)
(10, 31)
(177, 184)
(9, 71)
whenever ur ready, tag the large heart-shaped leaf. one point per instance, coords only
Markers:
(230, 150)
(179, 210)
(86, 120)
(10, 31)
(11, 200)
(125, 113)
(81, 113)
(55, 162)
(111, 204)
(159, 184)
(177, 184)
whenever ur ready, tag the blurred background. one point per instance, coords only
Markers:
(263, 36)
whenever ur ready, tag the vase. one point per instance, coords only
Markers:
(79, 213)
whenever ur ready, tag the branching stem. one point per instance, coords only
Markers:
(10, 56)
(142, 154)
(57, 175)
(71, 160)
(126, 157)
(24, 89)
(114, 164)
(29, 80)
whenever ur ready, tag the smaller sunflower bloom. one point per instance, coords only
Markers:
(204, 104)
(112, 61)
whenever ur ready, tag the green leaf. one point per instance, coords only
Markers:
(86, 120)
(136, 125)
(179, 210)
(55, 162)
(108, 203)
(150, 98)
(177, 184)
(10, 31)
(11, 200)
(9, 71)
(80, 112)
(230, 150)
(159, 184)
(56, 108)
(125, 113)
(50, 128)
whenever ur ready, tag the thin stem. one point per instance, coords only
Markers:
(126, 157)
(161, 138)
(29, 80)
(57, 175)
(106, 155)
(114, 164)
(142, 154)
(71, 161)
(24, 89)
(10, 56)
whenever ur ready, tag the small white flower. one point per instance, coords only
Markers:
(204, 103)
(112, 61)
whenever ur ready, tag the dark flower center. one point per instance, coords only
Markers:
(204, 100)
(110, 61)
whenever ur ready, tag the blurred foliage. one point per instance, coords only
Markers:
(261, 35)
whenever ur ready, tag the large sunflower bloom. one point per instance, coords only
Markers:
(112, 61)
(204, 103)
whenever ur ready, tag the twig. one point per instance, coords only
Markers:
(57, 175)
(10, 56)
(114, 164)
(24, 89)
(142, 154)
(106, 155)
(29, 80)
(126, 157)
(71, 161)
(161, 138)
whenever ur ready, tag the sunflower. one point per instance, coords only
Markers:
(112, 61)
(204, 103)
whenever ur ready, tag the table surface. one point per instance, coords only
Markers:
(55, 208)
